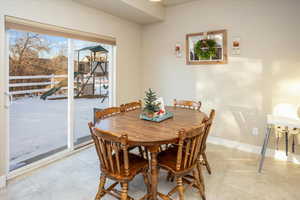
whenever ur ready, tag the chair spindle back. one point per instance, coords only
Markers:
(131, 106)
(187, 104)
(208, 124)
(189, 147)
(107, 112)
(112, 151)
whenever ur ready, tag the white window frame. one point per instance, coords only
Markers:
(70, 95)
(7, 100)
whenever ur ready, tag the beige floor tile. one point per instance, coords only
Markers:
(234, 177)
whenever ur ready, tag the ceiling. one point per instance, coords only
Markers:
(139, 11)
(175, 2)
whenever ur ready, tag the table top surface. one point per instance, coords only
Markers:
(283, 121)
(151, 133)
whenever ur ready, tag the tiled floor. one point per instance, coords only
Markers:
(234, 177)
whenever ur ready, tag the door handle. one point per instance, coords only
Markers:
(7, 104)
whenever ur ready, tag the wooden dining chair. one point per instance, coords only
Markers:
(100, 114)
(187, 104)
(131, 106)
(192, 105)
(208, 123)
(117, 164)
(202, 160)
(196, 106)
(182, 159)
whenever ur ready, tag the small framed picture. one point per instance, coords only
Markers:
(236, 41)
(178, 50)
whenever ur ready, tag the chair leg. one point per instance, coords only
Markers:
(277, 143)
(100, 192)
(265, 140)
(200, 175)
(180, 188)
(264, 149)
(124, 191)
(146, 180)
(293, 145)
(286, 144)
(199, 184)
(206, 162)
(169, 176)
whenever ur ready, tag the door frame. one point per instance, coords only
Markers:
(6, 96)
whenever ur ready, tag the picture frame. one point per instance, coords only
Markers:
(178, 50)
(206, 48)
(236, 43)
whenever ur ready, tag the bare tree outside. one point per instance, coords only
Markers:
(24, 54)
(36, 54)
(26, 59)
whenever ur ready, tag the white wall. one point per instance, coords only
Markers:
(246, 89)
(68, 14)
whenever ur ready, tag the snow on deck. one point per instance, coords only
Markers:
(38, 126)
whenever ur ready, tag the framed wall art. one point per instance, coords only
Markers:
(178, 50)
(206, 48)
(236, 41)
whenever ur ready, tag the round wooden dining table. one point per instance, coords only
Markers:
(151, 134)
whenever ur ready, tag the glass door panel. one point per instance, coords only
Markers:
(38, 87)
(91, 86)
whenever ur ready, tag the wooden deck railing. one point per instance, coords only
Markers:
(48, 80)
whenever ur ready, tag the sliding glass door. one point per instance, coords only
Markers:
(55, 84)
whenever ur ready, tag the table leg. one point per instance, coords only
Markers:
(277, 143)
(154, 171)
(264, 149)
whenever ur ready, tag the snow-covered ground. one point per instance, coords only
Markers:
(38, 126)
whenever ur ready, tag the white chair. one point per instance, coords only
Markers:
(284, 120)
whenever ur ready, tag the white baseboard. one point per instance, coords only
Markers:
(278, 155)
(2, 181)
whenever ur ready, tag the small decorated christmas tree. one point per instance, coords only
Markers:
(151, 105)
